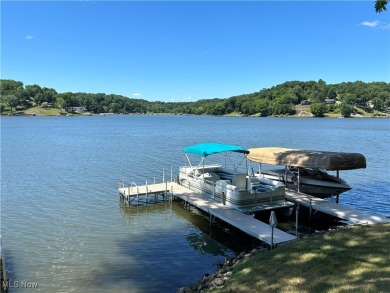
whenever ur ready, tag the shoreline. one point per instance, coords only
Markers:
(228, 269)
(23, 114)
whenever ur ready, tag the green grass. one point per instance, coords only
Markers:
(43, 111)
(355, 259)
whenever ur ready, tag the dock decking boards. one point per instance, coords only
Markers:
(247, 223)
(244, 222)
(335, 209)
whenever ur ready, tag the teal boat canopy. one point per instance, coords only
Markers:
(205, 149)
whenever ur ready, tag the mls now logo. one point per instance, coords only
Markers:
(19, 284)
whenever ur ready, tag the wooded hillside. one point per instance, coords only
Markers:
(319, 98)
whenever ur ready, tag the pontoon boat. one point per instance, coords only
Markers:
(231, 186)
(304, 170)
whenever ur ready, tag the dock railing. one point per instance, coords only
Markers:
(132, 191)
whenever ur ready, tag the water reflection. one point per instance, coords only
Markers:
(214, 238)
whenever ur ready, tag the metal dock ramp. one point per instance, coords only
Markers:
(244, 222)
(334, 209)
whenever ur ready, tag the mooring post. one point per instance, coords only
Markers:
(272, 222)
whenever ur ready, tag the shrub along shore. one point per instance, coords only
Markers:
(348, 259)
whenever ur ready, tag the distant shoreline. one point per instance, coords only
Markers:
(23, 114)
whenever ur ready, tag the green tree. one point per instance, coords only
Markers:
(378, 104)
(262, 106)
(332, 94)
(46, 95)
(317, 96)
(22, 96)
(346, 110)
(380, 5)
(67, 100)
(9, 87)
(33, 90)
(246, 108)
(12, 101)
(318, 109)
(283, 109)
(115, 108)
(199, 110)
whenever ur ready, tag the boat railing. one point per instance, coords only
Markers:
(204, 186)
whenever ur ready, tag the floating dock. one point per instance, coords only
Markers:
(334, 209)
(244, 222)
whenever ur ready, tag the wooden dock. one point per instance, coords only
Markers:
(334, 209)
(244, 222)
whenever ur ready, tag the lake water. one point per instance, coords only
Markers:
(64, 228)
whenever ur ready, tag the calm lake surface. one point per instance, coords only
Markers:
(62, 223)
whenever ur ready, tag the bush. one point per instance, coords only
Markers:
(346, 110)
(318, 109)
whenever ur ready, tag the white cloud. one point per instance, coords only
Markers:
(29, 37)
(374, 23)
(137, 94)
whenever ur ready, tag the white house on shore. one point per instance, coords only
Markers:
(81, 109)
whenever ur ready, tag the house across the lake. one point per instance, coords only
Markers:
(78, 109)
(330, 101)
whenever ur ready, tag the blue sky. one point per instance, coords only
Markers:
(191, 50)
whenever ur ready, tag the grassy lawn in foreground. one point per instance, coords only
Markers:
(353, 259)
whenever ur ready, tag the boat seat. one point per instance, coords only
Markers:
(263, 188)
(210, 176)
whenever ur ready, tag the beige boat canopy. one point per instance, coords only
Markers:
(307, 159)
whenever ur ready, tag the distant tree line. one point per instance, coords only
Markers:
(278, 100)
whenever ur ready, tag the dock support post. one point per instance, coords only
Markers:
(310, 212)
(337, 198)
(166, 188)
(296, 220)
(146, 191)
(299, 180)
